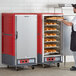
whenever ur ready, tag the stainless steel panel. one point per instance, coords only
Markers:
(27, 36)
(67, 36)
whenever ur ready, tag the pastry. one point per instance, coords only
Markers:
(53, 39)
(54, 29)
(55, 23)
(46, 51)
(46, 23)
(54, 50)
(54, 34)
(46, 29)
(47, 45)
(50, 45)
(54, 45)
(50, 39)
(50, 23)
(51, 34)
(50, 28)
(46, 39)
(46, 34)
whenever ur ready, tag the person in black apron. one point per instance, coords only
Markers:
(73, 36)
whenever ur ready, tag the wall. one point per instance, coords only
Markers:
(30, 6)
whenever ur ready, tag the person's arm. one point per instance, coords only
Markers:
(67, 23)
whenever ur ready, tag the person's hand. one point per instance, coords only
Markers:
(60, 20)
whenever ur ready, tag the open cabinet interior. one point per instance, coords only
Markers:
(52, 35)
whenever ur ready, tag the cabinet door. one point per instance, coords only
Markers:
(26, 42)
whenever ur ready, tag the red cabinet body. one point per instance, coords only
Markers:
(19, 32)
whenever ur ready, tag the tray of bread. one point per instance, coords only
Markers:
(54, 18)
(50, 29)
(47, 40)
(51, 24)
(50, 35)
(50, 46)
(50, 51)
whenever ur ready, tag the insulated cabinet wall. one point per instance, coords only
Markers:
(19, 39)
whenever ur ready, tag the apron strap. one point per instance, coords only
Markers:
(72, 29)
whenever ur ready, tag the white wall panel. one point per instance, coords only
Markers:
(58, 10)
(68, 11)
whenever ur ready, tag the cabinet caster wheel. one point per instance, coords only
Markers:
(44, 66)
(33, 67)
(8, 66)
(17, 69)
(58, 64)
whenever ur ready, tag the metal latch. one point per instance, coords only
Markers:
(16, 34)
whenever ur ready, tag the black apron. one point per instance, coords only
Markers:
(73, 40)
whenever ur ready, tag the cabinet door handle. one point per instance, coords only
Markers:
(16, 35)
